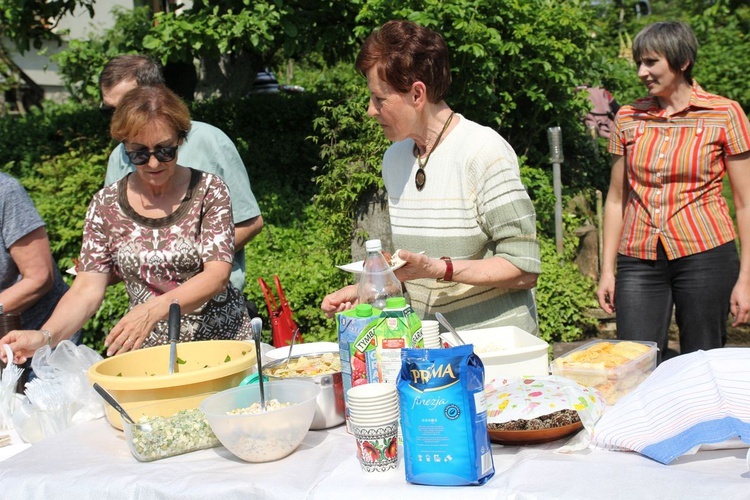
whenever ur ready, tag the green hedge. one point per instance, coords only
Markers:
(60, 156)
(308, 215)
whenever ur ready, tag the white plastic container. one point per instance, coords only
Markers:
(613, 382)
(508, 351)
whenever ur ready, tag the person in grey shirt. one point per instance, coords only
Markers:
(30, 282)
(206, 148)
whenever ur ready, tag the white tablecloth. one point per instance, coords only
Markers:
(92, 461)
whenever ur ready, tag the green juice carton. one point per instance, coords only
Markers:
(350, 324)
(379, 345)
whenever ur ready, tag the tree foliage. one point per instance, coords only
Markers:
(83, 60)
(722, 28)
(312, 157)
(27, 23)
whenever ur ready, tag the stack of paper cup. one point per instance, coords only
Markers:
(431, 334)
(373, 419)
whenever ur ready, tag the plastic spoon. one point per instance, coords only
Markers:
(257, 325)
(109, 398)
(450, 328)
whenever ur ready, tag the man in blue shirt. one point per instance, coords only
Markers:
(206, 148)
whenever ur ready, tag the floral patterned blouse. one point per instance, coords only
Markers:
(154, 256)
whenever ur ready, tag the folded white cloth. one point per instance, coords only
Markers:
(690, 400)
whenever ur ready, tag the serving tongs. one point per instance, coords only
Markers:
(173, 324)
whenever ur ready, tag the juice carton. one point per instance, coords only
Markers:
(379, 345)
(350, 325)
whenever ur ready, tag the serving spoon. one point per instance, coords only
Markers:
(291, 346)
(257, 325)
(173, 324)
(109, 398)
(450, 328)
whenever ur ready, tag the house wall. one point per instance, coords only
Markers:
(39, 66)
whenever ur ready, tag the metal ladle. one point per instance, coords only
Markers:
(450, 328)
(257, 325)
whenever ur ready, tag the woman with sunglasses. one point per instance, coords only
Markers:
(454, 191)
(166, 230)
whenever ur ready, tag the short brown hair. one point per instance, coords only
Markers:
(142, 69)
(672, 39)
(404, 53)
(143, 105)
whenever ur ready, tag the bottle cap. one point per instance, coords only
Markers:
(364, 310)
(373, 246)
(395, 302)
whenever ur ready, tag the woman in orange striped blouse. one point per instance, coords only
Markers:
(667, 227)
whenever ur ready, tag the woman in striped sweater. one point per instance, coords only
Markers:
(454, 191)
(667, 227)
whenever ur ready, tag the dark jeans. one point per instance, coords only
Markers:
(699, 286)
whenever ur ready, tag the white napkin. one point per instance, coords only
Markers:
(691, 400)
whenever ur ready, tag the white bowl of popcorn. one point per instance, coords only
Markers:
(254, 435)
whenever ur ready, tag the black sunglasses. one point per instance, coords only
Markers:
(106, 110)
(163, 154)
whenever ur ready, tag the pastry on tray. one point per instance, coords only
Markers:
(613, 367)
(604, 355)
(555, 419)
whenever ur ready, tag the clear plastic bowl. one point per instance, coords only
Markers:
(268, 436)
(168, 428)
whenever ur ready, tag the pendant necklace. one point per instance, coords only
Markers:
(421, 177)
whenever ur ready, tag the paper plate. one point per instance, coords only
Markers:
(535, 436)
(356, 267)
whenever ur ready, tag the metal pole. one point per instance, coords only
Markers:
(554, 137)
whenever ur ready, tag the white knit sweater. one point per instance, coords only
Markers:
(473, 206)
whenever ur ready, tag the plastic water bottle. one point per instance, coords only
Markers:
(377, 282)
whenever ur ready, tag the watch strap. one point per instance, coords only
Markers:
(448, 276)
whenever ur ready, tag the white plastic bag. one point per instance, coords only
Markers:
(61, 391)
